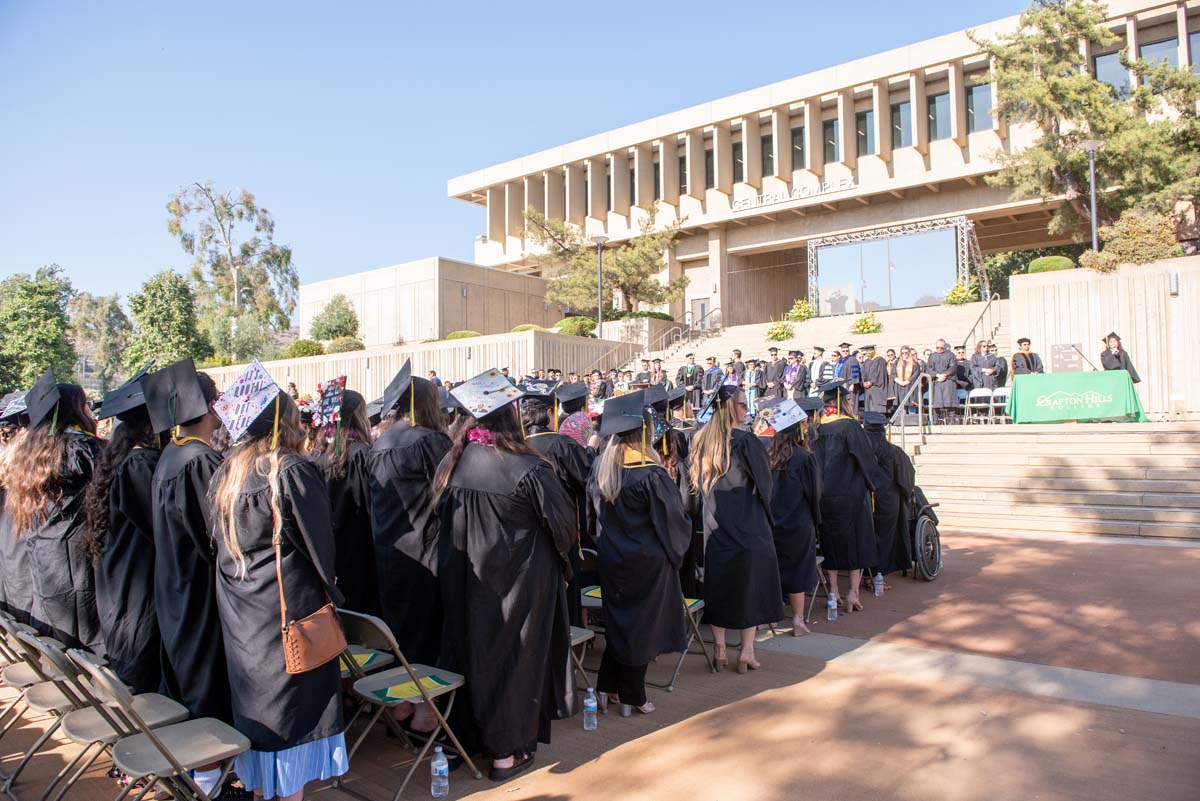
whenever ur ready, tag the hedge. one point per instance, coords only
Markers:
(344, 345)
(526, 327)
(1049, 264)
(300, 348)
(577, 326)
(463, 334)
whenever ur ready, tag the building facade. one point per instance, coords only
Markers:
(891, 145)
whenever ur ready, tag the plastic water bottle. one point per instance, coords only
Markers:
(878, 585)
(589, 711)
(439, 785)
(831, 609)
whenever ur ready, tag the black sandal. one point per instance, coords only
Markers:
(519, 766)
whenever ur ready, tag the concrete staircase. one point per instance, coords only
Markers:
(1138, 480)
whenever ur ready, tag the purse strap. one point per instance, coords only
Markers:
(283, 622)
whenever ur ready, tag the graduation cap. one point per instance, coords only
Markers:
(818, 349)
(43, 399)
(845, 345)
(1023, 341)
(783, 415)
(1111, 335)
(246, 400)
(486, 393)
(126, 397)
(772, 350)
(866, 347)
(173, 395)
(623, 413)
(327, 411)
(375, 411)
(874, 421)
(397, 387)
(811, 404)
(657, 397)
(724, 393)
(675, 397)
(446, 401)
(831, 390)
(14, 407)
(569, 392)
(537, 387)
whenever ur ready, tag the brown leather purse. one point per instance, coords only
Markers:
(312, 641)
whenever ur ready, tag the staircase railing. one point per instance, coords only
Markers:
(924, 410)
(711, 321)
(989, 321)
(669, 337)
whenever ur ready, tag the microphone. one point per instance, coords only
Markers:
(1085, 358)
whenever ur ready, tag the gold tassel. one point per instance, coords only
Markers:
(554, 420)
(412, 403)
(275, 425)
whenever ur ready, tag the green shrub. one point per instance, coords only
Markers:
(300, 348)
(577, 326)
(962, 293)
(1048, 264)
(526, 327)
(801, 311)
(344, 345)
(633, 315)
(463, 334)
(214, 361)
(1137, 237)
(336, 320)
(780, 331)
(867, 324)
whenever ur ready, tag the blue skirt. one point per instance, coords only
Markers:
(283, 773)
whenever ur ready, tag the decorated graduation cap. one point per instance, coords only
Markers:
(623, 413)
(43, 399)
(173, 395)
(14, 407)
(253, 395)
(874, 421)
(537, 387)
(127, 397)
(331, 396)
(784, 415)
(486, 393)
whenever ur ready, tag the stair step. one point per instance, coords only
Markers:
(1018, 478)
(1069, 512)
(1185, 503)
(935, 446)
(1032, 524)
(1114, 441)
(1068, 461)
(1088, 471)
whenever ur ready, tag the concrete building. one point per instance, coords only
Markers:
(427, 299)
(769, 181)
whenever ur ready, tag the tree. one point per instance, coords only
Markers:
(165, 325)
(237, 267)
(1001, 266)
(100, 330)
(631, 268)
(1137, 237)
(1042, 78)
(34, 327)
(337, 319)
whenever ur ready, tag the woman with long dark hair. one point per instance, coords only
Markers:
(642, 534)
(342, 450)
(506, 529)
(120, 539)
(47, 477)
(274, 541)
(729, 469)
(15, 575)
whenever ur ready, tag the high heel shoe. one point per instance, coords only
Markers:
(798, 628)
(744, 665)
(602, 703)
(853, 603)
(720, 660)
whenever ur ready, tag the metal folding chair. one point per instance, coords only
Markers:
(580, 637)
(1000, 405)
(821, 584)
(408, 683)
(978, 401)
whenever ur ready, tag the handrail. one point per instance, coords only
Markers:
(661, 340)
(710, 313)
(922, 379)
(987, 309)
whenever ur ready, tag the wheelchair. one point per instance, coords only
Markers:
(924, 539)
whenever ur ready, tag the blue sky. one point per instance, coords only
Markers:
(346, 119)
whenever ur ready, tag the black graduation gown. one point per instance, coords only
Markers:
(847, 464)
(354, 546)
(193, 654)
(1001, 371)
(875, 396)
(572, 462)
(712, 379)
(774, 375)
(274, 709)
(741, 574)
(1119, 361)
(64, 585)
(402, 464)
(894, 480)
(17, 576)
(980, 362)
(796, 510)
(125, 575)
(962, 375)
(945, 393)
(641, 540)
(691, 375)
(506, 529)
(1026, 363)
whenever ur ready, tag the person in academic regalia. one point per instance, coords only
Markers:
(179, 400)
(773, 372)
(819, 370)
(730, 471)
(754, 384)
(713, 377)
(1116, 357)
(983, 367)
(894, 480)
(904, 373)
(1025, 361)
(675, 460)
(644, 376)
(942, 366)
(48, 473)
(574, 420)
(691, 378)
(275, 546)
(795, 505)
(402, 464)
(642, 534)
(846, 531)
(795, 376)
(120, 539)
(506, 530)
(1001, 365)
(343, 452)
(15, 575)
(962, 370)
(874, 380)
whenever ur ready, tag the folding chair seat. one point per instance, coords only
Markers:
(580, 637)
(408, 683)
(978, 400)
(368, 660)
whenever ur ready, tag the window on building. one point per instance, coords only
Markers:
(829, 133)
(683, 175)
(587, 199)
(939, 116)
(768, 155)
(1194, 51)
(1107, 69)
(633, 198)
(979, 107)
(1163, 50)
(864, 129)
(902, 125)
(799, 157)
(710, 175)
(739, 165)
(657, 180)
(607, 189)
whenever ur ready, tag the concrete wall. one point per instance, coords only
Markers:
(1161, 331)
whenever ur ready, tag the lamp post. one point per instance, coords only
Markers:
(599, 241)
(1090, 146)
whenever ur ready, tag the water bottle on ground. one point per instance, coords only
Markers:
(878, 585)
(589, 711)
(439, 786)
(831, 609)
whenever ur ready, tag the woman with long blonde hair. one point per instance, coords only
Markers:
(274, 540)
(729, 469)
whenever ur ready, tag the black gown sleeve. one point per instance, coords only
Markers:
(198, 478)
(135, 499)
(810, 475)
(671, 524)
(860, 451)
(905, 475)
(543, 487)
(1133, 375)
(759, 468)
(305, 504)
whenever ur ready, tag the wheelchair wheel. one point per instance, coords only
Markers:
(927, 555)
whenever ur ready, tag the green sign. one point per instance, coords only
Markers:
(1074, 397)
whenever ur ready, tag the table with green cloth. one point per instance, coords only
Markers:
(1074, 397)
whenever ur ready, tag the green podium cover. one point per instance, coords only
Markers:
(1074, 397)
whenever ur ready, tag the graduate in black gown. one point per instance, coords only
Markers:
(275, 547)
(943, 369)
(729, 469)
(846, 531)
(120, 539)
(15, 574)
(795, 505)
(642, 534)
(342, 451)
(874, 380)
(894, 480)
(506, 530)
(193, 653)
(48, 473)
(675, 460)
(1116, 357)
